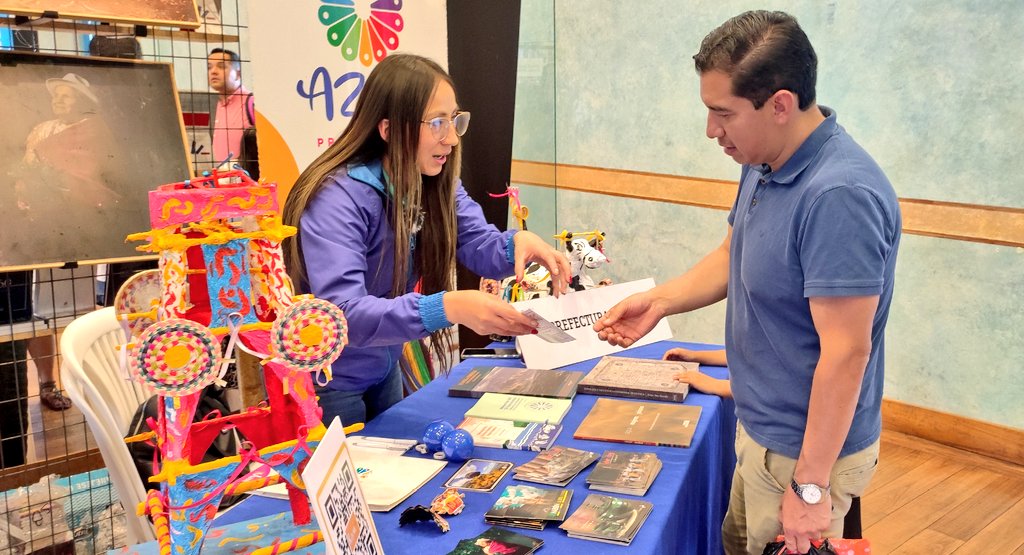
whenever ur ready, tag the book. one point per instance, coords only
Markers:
(560, 384)
(479, 475)
(607, 519)
(556, 466)
(387, 480)
(529, 507)
(640, 422)
(498, 540)
(624, 472)
(506, 434)
(637, 378)
(520, 408)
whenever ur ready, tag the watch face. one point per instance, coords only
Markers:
(811, 494)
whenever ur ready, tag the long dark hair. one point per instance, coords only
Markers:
(398, 90)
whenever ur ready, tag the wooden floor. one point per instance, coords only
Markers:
(931, 499)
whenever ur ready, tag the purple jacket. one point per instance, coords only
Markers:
(347, 245)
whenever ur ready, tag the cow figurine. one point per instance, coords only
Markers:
(584, 255)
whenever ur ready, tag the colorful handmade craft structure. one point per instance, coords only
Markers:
(222, 275)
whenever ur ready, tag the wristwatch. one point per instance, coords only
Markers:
(812, 494)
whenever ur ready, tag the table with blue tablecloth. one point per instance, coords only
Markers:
(690, 494)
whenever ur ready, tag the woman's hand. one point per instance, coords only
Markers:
(529, 248)
(486, 314)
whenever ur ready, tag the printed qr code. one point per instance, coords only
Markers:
(349, 524)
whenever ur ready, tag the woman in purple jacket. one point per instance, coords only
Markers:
(382, 209)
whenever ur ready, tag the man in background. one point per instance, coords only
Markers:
(235, 112)
(807, 266)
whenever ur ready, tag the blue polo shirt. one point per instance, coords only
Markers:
(825, 224)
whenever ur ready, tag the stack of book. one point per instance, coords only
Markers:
(506, 434)
(625, 472)
(556, 466)
(637, 378)
(560, 384)
(607, 519)
(497, 540)
(529, 507)
(520, 408)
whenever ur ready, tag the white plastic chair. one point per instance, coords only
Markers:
(92, 376)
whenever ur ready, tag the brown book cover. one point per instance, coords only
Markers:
(640, 422)
(637, 378)
(560, 384)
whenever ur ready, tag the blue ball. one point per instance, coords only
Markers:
(435, 432)
(457, 445)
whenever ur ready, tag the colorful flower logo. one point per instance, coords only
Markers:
(369, 38)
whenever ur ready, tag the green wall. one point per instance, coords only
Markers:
(931, 89)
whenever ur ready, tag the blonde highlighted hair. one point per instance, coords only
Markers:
(398, 90)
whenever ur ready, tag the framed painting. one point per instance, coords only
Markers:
(84, 141)
(169, 13)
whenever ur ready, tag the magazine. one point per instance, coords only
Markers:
(625, 472)
(498, 541)
(608, 519)
(506, 434)
(529, 507)
(556, 466)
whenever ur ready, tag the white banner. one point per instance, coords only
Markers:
(575, 313)
(310, 60)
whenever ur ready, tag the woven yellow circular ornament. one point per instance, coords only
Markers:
(176, 357)
(309, 335)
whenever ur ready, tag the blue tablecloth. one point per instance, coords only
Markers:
(690, 495)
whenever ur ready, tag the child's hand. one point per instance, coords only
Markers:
(684, 355)
(705, 383)
(707, 358)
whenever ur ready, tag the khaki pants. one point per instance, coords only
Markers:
(760, 479)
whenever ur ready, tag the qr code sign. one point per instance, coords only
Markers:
(349, 523)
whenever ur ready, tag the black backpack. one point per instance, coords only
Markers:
(212, 399)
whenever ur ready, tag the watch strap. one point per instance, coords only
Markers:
(798, 490)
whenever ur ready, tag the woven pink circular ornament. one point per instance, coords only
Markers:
(176, 357)
(309, 335)
(139, 294)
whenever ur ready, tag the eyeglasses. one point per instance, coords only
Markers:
(439, 126)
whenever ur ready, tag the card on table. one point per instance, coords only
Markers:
(479, 475)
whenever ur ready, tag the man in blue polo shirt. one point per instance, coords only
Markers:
(807, 267)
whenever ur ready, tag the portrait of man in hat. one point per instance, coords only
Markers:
(76, 144)
(84, 141)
